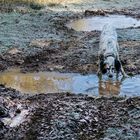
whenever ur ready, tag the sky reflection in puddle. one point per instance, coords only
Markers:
(97, 22)
(54, 82)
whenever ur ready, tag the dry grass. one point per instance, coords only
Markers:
(39, 1)
(8, 5)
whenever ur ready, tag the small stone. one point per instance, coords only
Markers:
(14, 51)
(96, 119)
(83, 121)
(3, 112)
(41, 43)
(51, 69)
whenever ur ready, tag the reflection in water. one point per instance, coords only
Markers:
(54, 82)
(109, 88)
(97, 22)
(42, 82)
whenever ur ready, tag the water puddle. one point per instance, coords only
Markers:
(97, 22)
(53, 82)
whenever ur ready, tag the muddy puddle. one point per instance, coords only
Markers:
(54, 82)
(97, 22)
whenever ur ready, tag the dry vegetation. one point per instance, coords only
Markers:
(41, 2)
(9, 5)
(30, 1)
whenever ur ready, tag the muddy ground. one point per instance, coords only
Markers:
(40, 41)
(66, 117)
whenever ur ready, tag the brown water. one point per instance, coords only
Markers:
(53, 82)
(97, 22)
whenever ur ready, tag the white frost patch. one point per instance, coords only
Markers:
(17, 120)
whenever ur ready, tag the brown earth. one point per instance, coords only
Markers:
(74, 51)
(67, 116)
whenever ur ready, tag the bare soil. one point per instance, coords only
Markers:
(45, 43)
(67, 116)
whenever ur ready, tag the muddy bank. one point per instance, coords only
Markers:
(41, 41)
(67, 116)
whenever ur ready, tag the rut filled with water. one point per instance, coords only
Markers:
(54, 82)
(97, 22)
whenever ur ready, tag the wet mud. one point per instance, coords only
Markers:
(59, 48)
(67, 116)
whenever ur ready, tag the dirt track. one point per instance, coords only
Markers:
(42, 42)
